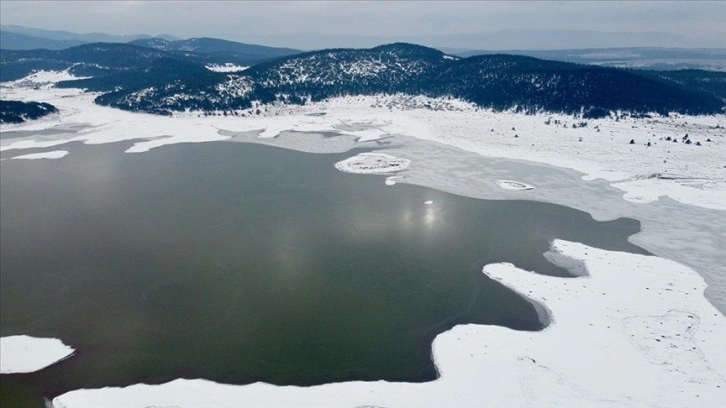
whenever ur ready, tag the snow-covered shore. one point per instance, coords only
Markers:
(622, 336)
(604, 325)
(651, 167)
(25, 354)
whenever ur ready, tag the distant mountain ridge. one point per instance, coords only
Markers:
(16, 41)
(512, 39)
(100, 59)
(499, 82)
(212, 45)
(211, 50)
(215, 50)
(60, 35)
(630, 57)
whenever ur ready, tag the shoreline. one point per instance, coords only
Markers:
(683, 237)
(672, 343)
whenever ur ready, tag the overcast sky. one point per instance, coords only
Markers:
(701, 23)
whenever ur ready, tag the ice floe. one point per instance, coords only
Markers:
(55, 154)
(372, 163)
(25, 354)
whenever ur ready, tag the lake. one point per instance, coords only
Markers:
(240, 263)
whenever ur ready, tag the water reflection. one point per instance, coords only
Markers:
(430, 216)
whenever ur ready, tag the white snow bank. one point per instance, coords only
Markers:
(699, 192)
(25, 354)
(367, 135)
(599, 148)
(55, 154)
(142, 147)
(372, 163)
(47, 77)
(227, 67)
(514, 185)
(635, 332)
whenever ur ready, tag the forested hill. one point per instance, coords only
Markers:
(506, 81)
(174, 80)
(713, 82)
(19, 112)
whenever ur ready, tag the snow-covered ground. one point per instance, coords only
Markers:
(25, 354)
(636, 332)
(688, 173)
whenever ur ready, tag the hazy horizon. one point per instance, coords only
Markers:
(465, 25)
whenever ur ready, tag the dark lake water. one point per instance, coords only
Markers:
(241, 263)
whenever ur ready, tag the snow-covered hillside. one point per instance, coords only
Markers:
(165, 82)
(385, 64)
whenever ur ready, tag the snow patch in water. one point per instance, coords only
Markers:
(372, 163)
(55, 154)
(25, 354)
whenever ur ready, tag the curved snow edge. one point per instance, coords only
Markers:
(26, 354)
(636, 314)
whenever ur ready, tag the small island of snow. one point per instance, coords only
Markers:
(372, 163)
